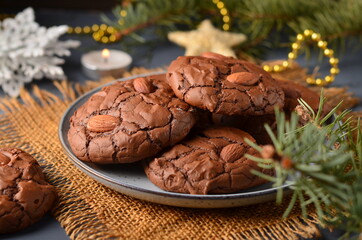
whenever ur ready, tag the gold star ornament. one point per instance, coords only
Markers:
(207, 38)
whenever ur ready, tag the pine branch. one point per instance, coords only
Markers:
(265, 22)
(140, 15)
(322, 161)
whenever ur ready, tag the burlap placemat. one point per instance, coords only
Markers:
(88, 210)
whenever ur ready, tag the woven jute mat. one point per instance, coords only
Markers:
(89, 210)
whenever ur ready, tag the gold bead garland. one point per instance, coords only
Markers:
(225, 14)
(101, 33)
(297, 45)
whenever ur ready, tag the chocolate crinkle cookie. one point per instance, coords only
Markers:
(25, 196)
(294, 91)
(129, 121)
(224, 85)
(213, 161)
(254, 125)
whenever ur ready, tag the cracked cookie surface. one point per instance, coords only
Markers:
(213, 161)
(255, 124)
(129, 121)
(226, 85)
(25, 196)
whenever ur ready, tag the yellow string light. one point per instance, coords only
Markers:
(224, 12)
(297, 45)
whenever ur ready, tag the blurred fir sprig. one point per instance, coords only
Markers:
(264, 22)
(322, 163)
(136, 16)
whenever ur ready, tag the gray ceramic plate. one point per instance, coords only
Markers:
(130, 179)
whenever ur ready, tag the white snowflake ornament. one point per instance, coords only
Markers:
(29, 51)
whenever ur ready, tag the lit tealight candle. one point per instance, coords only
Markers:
(97, 64)
(105, 54)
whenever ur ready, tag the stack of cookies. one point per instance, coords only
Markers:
(189, 125)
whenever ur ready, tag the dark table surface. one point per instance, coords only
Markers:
(48, 227)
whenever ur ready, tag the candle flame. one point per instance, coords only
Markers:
(105, 54)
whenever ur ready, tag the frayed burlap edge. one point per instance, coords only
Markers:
(293, 229)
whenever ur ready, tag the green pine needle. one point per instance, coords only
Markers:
(326, 167)
(264, 22)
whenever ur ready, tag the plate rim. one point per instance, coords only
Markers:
(88, 169)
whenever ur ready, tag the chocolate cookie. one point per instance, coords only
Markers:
(128, 121)
(254, 125)
(293, 91)
(226, 86)
(25, 196)
(211, 162)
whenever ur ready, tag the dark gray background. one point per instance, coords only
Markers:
(48, 227)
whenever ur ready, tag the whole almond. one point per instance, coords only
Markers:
(102, 123)
(214, 56)
(142, 85)
(4, 159)
(243, 78)
(232, 152)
